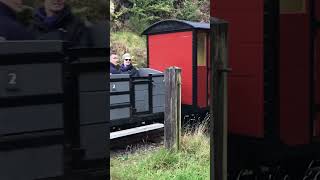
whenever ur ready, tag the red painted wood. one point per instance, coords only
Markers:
(209, 69)
(202, 86)
(245, 83)
(317, 10)
(246, 106)
(316, 128)
(294, 79)
(317, 83)
(317, 68)
(173, 49)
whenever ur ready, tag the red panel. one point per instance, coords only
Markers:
(209, 67)
(245, 106)
(246, 58)
(317, 11)
(245, 19)
(317, 85)
(245, 93)
(294, 79)
(317, 69)
(173, 49)
(317, 56)
(248, 5)
(317, 125)
(202, 86)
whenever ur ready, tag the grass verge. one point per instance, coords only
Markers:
(192, 162)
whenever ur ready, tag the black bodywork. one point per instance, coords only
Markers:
(44, 133)
(135, 118)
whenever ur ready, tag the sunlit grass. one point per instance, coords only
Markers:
(191, 162)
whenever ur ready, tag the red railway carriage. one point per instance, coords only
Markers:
(183, 44)
(274, 86)
(259, 64)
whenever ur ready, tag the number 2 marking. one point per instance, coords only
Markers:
(12, 78)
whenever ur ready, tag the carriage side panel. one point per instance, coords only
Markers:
(294, 75)
(245, 82)
(173, 49)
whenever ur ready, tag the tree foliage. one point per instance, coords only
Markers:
(92, 10)
(136, 15)
(193, 10)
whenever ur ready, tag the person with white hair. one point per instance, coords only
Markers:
(127, 67)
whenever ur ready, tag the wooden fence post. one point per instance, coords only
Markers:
(172, 113)
(218, 100)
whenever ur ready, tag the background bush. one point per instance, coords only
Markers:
(137, 15)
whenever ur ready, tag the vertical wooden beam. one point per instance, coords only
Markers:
(172, 114)
(218, 99)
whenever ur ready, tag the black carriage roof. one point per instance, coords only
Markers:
(172, 25)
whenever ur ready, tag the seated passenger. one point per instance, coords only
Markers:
(127, 67)
(10, 27)
(113, 63)
(55, 21)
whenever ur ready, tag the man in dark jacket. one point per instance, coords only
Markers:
(113, 63)
(55, 21)
(10, 28)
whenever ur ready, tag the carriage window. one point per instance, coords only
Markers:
(201, 51)
(292, 6)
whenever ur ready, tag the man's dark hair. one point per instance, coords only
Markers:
(112, 51)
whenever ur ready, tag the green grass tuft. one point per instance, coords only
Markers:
(192, 162)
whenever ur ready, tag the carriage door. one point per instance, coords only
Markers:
(315, 55)
(202, 93)
(141, 89)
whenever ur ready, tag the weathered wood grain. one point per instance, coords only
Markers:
(172, 114)
(218, 100)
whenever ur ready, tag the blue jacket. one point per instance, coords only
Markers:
(10, 28)
(114, 70)
(129, 70)
(64, 26)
